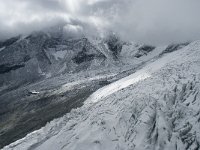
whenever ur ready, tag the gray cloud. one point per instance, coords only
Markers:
(160, 21)
(149, 21)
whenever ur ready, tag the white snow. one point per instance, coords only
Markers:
(116, 86)
(2, 48)
(60, 54)
(72, 85)
(155, 108)
(48, 75)
(34, 92)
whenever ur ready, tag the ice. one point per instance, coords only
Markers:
(157, 107)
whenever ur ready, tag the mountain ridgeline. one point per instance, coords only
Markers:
(40, 55)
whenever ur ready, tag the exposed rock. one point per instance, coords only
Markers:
(83, 57)
(9, 42)
(114, 44)
(144, 50)
(174, 47)
(5, 68)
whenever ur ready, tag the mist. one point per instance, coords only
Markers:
(154, 22)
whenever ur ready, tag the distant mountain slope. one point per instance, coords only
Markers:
(41, 55)
(156, 107)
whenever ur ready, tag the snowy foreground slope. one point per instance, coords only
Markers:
(158, 107)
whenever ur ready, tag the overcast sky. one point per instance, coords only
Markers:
(147, 21)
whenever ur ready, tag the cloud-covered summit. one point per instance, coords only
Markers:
(152, 21)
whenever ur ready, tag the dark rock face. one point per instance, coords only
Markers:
(5, 68)
(83, 57)
(174, 47)
(9, 42)
(144, 50)
(139, 54)
(27, 58)
(114, 45)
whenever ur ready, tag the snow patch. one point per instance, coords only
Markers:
(59, 54)
(1, 49)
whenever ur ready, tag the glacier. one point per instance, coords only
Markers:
(155, 108)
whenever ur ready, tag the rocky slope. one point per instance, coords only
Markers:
(157, 107)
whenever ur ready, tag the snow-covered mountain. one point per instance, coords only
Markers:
(27, 59)
(45, 75)
(152, 105)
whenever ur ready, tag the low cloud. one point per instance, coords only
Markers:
(153, 21)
